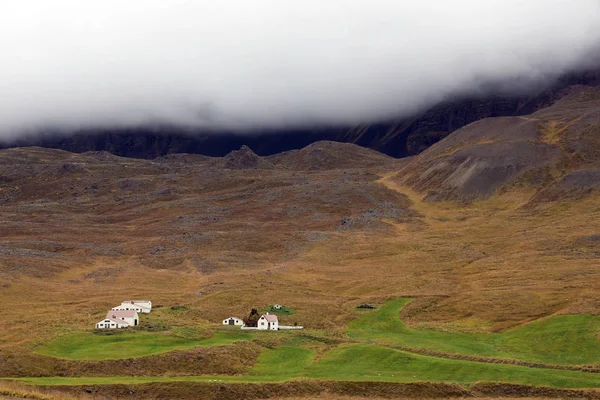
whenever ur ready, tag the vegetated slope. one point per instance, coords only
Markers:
(104, 228)
(563, 339)
(554, 149)
(82, 232)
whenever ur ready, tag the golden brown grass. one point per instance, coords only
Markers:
(489, 263)
(13, 390)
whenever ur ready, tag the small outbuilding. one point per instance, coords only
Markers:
(233, 321)
(277, 306)
(268, 322)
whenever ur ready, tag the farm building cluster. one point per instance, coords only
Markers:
(125, 315)
(266, 322)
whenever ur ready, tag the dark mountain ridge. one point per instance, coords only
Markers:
(396, 138)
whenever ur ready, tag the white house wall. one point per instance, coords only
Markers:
(129, 307)
(146, 305)
(109, 324)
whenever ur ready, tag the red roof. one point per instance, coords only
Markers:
(270, 317)
(121, 314)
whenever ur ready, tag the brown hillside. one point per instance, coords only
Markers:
(81, 232)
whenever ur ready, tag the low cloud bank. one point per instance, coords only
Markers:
(268, 64)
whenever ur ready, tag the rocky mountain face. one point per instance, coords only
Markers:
(398, 138)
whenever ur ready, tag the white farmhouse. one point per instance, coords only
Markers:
(233, 321)
(144, 305)
(268, 322)
(111, 323)
(128, 316)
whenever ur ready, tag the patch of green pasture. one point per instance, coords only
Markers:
(368, 362)
(283, 362)
(564, 339)
(88, 346)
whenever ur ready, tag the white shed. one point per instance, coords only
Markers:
(268, 322)
(233, 321)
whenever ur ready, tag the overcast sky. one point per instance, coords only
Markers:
(271, 63)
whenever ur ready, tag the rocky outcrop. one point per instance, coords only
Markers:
(245, 158)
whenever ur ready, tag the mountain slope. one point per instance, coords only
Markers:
(546, 150)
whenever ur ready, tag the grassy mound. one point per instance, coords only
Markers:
(563, 339)
(88, 346)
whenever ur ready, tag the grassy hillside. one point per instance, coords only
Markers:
(563, 339)
(377, 363)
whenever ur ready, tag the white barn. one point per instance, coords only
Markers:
(233, 321)
(268, 322)
(144, 305)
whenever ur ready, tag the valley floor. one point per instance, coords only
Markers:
(369, 354)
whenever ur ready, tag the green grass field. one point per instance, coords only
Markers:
(564, 339)
(89, 346)
(363, 362)
(378, 363)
